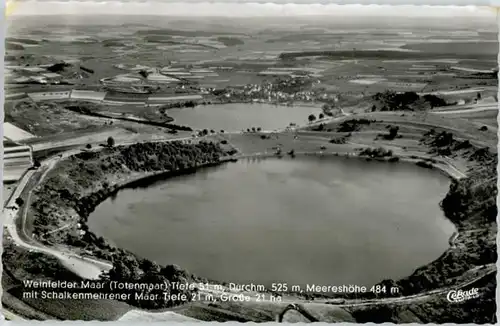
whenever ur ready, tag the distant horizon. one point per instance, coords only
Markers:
(228, 17)
(238, 10)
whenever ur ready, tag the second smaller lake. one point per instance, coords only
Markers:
(240, 116)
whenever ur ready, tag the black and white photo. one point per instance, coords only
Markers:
(246, 162)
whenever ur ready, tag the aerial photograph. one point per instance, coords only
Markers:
(246, 162)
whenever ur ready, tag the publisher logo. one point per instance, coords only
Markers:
(460, 296)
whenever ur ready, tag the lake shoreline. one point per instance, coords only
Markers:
(442, 167)
(140, 178)
(243, 115)
(314, 157)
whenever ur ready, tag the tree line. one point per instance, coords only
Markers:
(64, 191)
(407, 101)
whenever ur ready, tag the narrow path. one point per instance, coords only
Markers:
(65, 226)
(453, 168)
(489, 107)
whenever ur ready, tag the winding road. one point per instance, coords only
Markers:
(84, 267)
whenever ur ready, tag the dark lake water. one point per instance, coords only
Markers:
(301, 221)
(240, 116)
